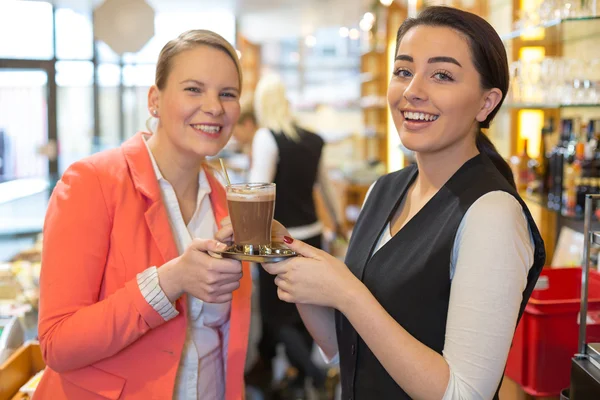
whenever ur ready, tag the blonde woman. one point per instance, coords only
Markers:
(132, 306)
(290, 156)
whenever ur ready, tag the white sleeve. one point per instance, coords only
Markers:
(149, 285)
(329, 361)
(493, 252)
(265, 156)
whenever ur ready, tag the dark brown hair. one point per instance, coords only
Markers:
(489, 58)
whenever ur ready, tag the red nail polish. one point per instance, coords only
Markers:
(288, 239)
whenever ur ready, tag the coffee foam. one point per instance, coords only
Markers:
(249, 196)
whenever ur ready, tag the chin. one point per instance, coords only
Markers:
(208, 150)
(416, 144)
(209, 147)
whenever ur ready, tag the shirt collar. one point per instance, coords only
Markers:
(203, 184)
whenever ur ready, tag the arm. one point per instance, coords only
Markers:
(484, 302)
(75, 329)
(329, 197)
(320, 322)
(494, 254)
(265, 156)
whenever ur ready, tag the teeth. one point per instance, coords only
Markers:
(417, 116)
(207, 128)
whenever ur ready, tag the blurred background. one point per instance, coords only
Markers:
(74, 77)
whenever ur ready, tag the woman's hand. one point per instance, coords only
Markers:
(195, 272)
(314, 277)
(225, 234)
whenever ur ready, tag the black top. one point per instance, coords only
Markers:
(410, 275)
(297, 170)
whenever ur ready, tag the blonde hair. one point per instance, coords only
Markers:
(272, 107)
(189, 40)
(247, 110)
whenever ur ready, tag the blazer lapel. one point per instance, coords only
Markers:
(218, 197)
(144, 179)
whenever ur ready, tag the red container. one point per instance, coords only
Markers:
(547, 336)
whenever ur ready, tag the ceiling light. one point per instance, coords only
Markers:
(365, 25)
(369, 17)
(310, 41)
(354, 34)
(344, 31)
(386, 2)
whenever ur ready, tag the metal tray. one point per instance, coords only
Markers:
(278, 253)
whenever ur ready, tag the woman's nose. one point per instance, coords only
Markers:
(415, 91)
(212, 105)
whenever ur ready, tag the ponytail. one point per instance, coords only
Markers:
(485, 145)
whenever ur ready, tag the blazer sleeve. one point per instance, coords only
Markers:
(75, 328)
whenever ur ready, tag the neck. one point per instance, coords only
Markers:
(436, 168)
(178, 168)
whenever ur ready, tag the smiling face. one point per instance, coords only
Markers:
(435, 93)
(199, 104)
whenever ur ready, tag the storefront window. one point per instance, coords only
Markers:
(105, 53)
(169, 25)
(23, 123)
(109, 79)
(75, 111)
(26, 30)
(74, 37)
(137, 79)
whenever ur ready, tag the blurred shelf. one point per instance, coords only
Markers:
(574, 28)
(368, 77)
(550, 105)
(596, 238)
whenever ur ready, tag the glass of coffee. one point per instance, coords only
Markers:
(251, 207)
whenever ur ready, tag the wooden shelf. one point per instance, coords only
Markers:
(19, 368)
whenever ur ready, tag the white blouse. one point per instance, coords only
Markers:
(201, 373)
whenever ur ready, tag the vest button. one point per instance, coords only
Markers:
(353, 351)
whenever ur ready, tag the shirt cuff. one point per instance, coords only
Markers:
(330, 361)
(154, 295)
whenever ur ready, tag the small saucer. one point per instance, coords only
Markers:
(277, 254)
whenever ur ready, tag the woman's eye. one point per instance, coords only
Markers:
(402, 73)
(442, 76)
(227, 94)
(193, 90)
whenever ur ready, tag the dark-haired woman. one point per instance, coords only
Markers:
(445, 253)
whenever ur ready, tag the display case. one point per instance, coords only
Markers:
(553, 104)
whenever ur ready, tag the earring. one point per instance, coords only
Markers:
(155, 112)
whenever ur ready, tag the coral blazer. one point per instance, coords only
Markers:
(100, 339)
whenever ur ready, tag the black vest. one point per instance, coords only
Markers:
(410, 275)
(295, 179)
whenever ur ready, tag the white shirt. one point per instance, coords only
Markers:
(265, 157)
(202, 366)
(490, 260)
